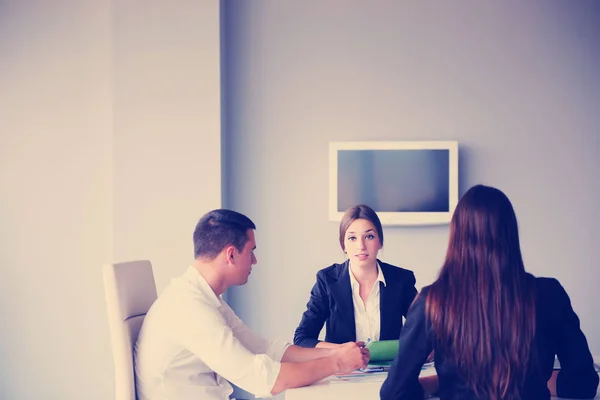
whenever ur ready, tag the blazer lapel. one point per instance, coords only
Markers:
(342, 293)
(388, 299)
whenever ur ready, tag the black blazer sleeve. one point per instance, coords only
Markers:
(317, 312)
(396, 297)
(410, 292)
(577, 378)
(402, 382)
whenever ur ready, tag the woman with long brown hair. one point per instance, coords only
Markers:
(495, 329)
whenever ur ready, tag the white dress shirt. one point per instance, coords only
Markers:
(367, 315)
(192, 343)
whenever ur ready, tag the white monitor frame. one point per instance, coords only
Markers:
(398, 218)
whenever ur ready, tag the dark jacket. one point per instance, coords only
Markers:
(557, 333)
(331, 303)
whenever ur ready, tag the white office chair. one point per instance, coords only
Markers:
(130, 290)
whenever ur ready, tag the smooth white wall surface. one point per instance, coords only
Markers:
(167, 131)
(109, 150)
(56, 203)
(515, 83)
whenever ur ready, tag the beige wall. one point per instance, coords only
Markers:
(515, 83)
(110, 148)
(167, 133)
(109, 118)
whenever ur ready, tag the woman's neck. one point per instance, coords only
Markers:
(365, 273)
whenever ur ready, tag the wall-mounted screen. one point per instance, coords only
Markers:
(406, 183)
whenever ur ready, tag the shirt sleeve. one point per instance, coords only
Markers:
(402, 381)
(577, 377)
(252, 341)
(204, 331)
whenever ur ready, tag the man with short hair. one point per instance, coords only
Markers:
(192, 343)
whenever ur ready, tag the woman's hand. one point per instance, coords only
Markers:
(366, 353)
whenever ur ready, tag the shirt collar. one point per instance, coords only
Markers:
(194, 277)
(380, 277)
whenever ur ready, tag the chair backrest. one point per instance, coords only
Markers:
(130, 290)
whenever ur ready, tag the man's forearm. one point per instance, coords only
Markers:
(301, 354)
(344, 358)
(297, 374)
(326, 345)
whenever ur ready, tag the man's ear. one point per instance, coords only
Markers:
(229, 253)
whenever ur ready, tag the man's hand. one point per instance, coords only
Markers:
(350, 356)
(294, 372)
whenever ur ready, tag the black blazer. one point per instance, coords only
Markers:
(557, 333)
(331, 302)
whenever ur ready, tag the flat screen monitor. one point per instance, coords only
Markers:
(405, 182)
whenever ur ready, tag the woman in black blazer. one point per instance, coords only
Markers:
(495, 329)
(381, 293)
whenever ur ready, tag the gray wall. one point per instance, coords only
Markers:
(516, 83)
(109, 150)
(55, 208)
(166, 128)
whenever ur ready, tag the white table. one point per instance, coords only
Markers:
(332, 389)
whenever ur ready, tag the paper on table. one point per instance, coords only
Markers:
(377, 366)
(376, 374)
(358, 376)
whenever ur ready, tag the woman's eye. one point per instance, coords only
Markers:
(351, 238)
(370, 237)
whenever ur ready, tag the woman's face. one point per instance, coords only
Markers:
(361, 243)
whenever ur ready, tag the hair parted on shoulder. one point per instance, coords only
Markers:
(218, 229)
(360, 211)
(482, 305)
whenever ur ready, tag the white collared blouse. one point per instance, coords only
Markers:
(367, 316)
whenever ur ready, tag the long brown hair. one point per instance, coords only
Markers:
(482, 306)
